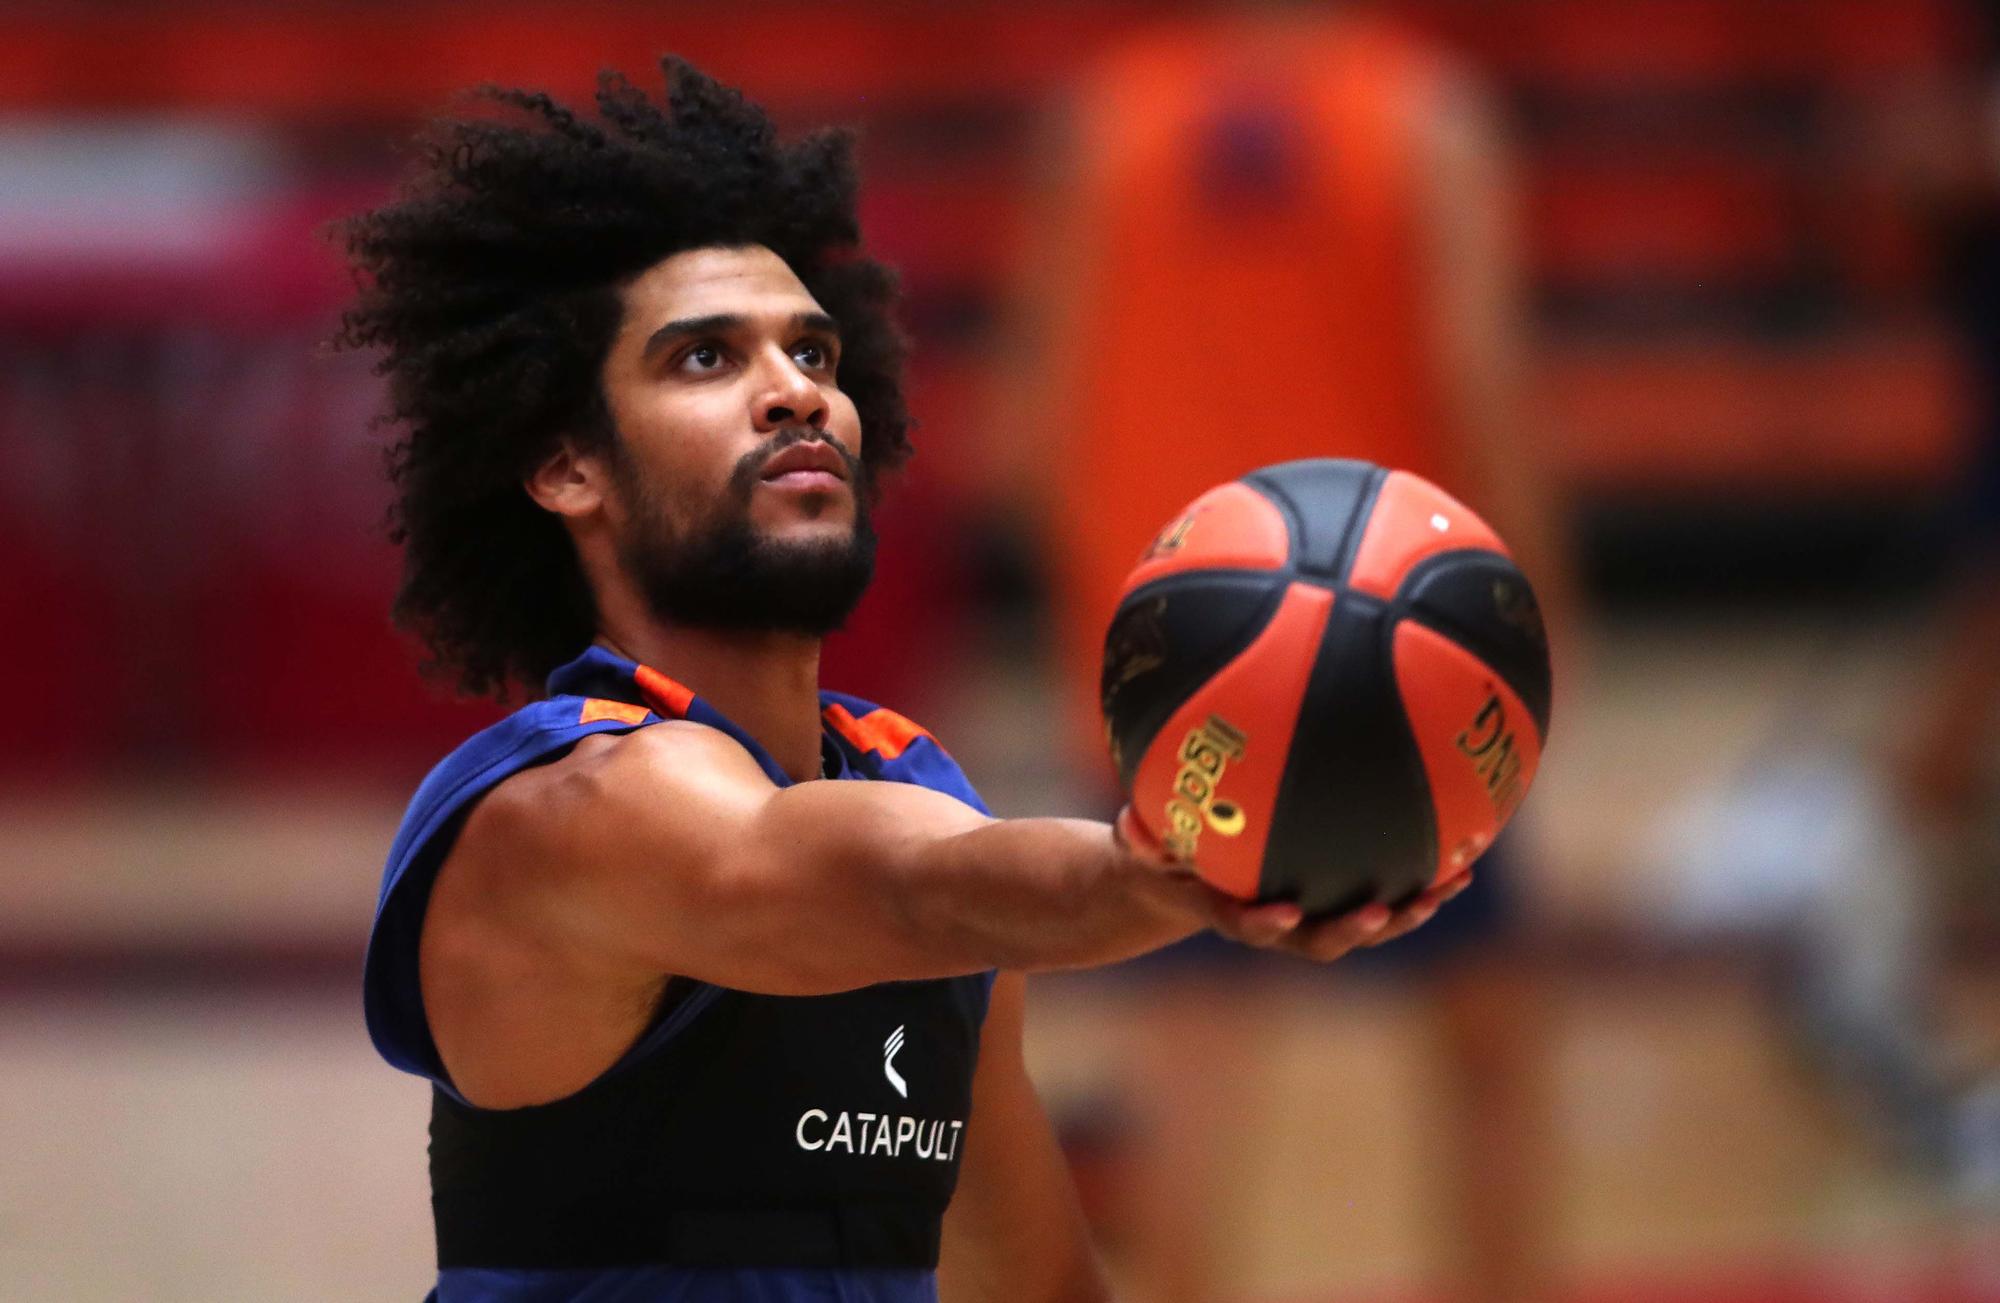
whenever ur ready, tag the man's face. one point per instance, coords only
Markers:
(740, 497)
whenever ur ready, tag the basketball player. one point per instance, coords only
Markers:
(699, 958)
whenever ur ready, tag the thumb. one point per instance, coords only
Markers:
(1136, 840)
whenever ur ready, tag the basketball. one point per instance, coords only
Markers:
(1325, 682)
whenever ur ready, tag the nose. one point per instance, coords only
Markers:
(788, 396)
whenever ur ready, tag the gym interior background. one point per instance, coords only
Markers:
(1752, 964)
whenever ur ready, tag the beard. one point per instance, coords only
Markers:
(722, 574)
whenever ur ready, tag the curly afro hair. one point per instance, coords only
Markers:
(491, 286)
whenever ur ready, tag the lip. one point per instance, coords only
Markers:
(814, 481)
(802, 462)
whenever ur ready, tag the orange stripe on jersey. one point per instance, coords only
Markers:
(669, 698)
(599, 708)
(882, 731)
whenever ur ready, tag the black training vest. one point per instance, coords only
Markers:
(768, 1133)
(741, 1130)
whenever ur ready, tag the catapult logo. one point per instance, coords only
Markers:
(885, 1135)
(890, 1049)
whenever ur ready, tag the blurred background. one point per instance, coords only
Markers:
(1697, 300)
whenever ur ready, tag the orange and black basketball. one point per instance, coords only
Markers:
(1326, 682)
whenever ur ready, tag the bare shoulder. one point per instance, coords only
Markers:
(665, 774)
(522, 1006)
(610, 769)
(672, 783)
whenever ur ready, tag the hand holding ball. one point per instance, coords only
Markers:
(1325, 683)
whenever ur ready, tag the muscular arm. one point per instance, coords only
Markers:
(1014, 1230)
(667, 850)
(577, 889)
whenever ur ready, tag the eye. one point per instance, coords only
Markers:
(813, 355)
(702, 357)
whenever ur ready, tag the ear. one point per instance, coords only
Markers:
(569, 482)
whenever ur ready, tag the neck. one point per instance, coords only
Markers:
(766, 683)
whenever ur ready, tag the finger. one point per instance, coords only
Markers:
(1132, 838)
(1421, 910)
(1406, 922)
(1264, 925)
(1443, 891)
(1327, 941)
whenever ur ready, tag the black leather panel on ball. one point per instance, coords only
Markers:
(1326, 501)
(1354, 822)
(1482, 602)
(1170, 637)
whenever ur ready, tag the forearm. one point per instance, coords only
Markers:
(1037, 894)
(839, 885)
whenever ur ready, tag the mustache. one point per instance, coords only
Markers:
(750, 465)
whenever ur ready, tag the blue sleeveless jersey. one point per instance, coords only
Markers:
(600, 692)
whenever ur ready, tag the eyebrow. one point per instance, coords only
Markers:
(723, 323)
